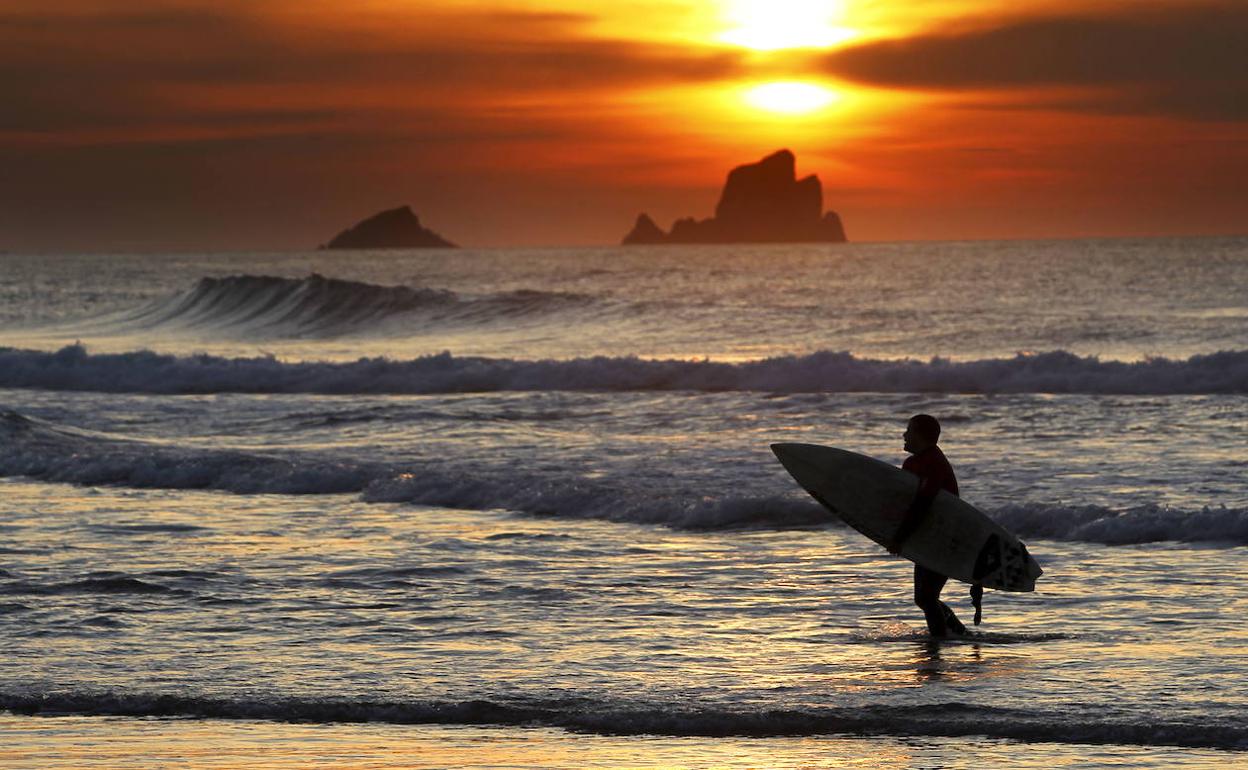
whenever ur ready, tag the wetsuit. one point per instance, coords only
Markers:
(935, 473)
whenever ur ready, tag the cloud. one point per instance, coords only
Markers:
(1188, 62)
(177, 65)
(156, 123)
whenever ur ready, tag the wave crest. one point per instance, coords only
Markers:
(74, 368)
(316, 306)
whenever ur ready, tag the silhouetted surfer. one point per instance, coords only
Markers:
(935, 473)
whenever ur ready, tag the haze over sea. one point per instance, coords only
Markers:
(517, 507)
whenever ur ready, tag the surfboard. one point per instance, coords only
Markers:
(955, 539)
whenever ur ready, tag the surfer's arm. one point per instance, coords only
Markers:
(915, 515)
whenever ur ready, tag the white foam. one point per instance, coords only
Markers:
(44, 451)
(1135, 525)
(74, 368)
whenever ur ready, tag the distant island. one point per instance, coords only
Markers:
(393, 229)
(762, 202)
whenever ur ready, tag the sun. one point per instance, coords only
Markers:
(790, 97)
(770, 25)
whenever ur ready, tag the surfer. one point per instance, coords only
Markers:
(935, 473)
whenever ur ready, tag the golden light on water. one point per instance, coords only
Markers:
(790, 97)
(770, 25)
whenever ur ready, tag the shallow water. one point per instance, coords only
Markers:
(107, 742)
(136, 602)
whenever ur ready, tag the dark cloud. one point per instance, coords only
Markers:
(61, 72)
(1183, 61)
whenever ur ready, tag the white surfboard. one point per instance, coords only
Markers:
(955, 538)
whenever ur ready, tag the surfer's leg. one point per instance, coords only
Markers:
(952, 622)
(927, 588)
(941, 620)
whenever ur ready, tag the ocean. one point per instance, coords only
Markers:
(516, 507)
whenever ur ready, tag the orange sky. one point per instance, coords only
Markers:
(238, 124)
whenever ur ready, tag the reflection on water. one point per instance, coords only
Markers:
(264, 599)
(73, 743)
(936, 659)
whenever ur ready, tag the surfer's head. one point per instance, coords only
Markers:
(922, 431)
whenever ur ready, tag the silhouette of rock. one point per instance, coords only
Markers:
(832, 228)
(393, 229)
(761, 202)
(690, 230)
(645, 231)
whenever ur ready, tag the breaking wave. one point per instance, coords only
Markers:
(599, 715)
(273, 307)
(74, 368)
(40, 450)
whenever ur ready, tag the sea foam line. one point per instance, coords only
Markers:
(73, 368)
(605, 717)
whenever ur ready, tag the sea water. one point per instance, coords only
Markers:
(517, 507)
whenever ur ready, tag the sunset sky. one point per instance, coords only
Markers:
(272, 124)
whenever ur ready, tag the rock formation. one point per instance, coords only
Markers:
(393, 229)
(762, 202)
(645, 231)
